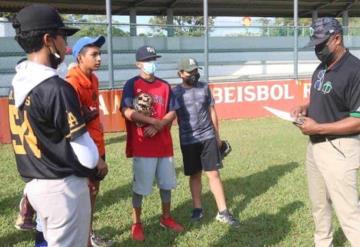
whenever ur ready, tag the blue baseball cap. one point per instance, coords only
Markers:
(86, 41)
(145, 53)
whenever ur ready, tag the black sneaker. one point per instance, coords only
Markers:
(227, 218)
(197, 214)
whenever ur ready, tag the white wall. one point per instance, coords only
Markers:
(6, 29)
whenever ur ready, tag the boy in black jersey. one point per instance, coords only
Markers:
(54, 152)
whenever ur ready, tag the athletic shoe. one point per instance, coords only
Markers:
(171, 224)
(97, 241)
(25, 219)
(137, 232)
(227, 218)
(197, 214)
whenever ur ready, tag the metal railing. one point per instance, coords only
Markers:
(233, 50)
(153, 30)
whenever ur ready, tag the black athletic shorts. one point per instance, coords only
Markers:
(199, 156)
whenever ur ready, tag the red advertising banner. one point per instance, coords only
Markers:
(4, 123)
(110, 114)
(233, 100)
(247, 99)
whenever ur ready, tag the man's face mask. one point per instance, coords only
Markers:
(192, 79)
(323, 53)
(54, 57)
(149, 67)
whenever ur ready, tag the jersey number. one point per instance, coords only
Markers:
(23, 131)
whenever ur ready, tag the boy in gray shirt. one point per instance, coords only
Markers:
(199, 139)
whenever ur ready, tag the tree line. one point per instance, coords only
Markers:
(93, 25)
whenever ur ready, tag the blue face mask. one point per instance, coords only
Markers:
(149, 67)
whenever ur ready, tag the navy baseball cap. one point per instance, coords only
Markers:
(322, 29)
(146, 52)
(86, 41)
(37, 17)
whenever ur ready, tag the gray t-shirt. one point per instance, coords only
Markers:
(193, 116)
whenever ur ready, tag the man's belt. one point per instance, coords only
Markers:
(323, 138)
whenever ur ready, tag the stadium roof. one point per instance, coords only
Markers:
(264, 8)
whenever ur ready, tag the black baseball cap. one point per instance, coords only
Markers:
(40, 17)
(322, 29)
(145, 53)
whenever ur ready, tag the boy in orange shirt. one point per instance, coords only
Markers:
(87, 54)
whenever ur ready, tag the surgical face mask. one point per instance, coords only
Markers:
(54, 57)
(55, 60)
(149, 67)
(193, 79)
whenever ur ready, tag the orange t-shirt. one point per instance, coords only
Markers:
(88, 92)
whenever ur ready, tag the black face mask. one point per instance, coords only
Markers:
(193, 79)
(324, 55)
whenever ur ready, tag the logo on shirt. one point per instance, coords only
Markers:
(158, 100)
(326, 87)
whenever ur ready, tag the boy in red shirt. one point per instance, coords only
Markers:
(148, 138)
(87, 54)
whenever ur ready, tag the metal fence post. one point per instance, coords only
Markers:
(296, 59)
(206, 42)
(109, 43)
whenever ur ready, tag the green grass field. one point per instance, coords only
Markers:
(264, 182)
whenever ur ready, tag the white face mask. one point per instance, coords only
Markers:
(149, 67)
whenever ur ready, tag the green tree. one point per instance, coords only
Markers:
(188, 25)
(95, 30)
(93, 25)
(264, 22)
(285, 27)
(7, 15)
(354, 26)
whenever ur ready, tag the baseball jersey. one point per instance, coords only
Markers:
(87, 90)
(193, 115)
(137, 144)
(41, 130)
(335, 92)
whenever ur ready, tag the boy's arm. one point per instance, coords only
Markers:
(132, 115)
(167, 120)
(170, 116)
(215, 123)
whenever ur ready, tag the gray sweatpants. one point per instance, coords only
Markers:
(64, 209)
